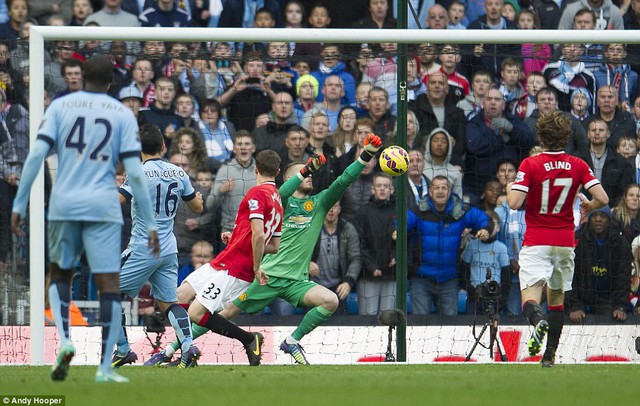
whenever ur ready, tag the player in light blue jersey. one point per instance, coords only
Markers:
(90, 132)
(166, 183)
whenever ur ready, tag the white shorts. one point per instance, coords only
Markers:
(554, 265)
(215, 288)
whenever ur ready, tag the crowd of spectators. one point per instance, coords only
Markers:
(471, 120)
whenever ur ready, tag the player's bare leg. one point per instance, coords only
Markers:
(252, 342)
(531, 297)
(230, 311)
(186, 294)
(324, 303)
(59, 301)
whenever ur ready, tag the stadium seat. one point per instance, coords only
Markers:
(462, 302)
(352, 303)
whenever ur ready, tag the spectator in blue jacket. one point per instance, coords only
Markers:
(201, 253)
(330, 65)
(493, 135)
(438, 224)
(618, 74)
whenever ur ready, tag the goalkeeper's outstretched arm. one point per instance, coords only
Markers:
(372, 145)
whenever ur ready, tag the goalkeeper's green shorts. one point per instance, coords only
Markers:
(257, 297)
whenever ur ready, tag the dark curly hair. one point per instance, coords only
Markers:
(198, 156)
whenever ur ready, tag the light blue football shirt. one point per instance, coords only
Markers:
(480, 256)
(90, 132)
(166, 183)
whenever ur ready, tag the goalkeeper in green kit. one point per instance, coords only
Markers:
(288, 270)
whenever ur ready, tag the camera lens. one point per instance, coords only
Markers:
(493, 287)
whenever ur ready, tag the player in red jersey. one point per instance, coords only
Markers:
(256, 232)
(550, 183)
(215, 284)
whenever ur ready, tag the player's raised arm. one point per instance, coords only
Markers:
(314, 163)
(372, 145)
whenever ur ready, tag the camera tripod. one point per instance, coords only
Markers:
(154, 323)
(492, 324)
(158, 342)
(391, 318)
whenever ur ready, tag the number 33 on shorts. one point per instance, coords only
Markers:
(211, 292)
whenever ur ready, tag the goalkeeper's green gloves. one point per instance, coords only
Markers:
(313, 164)
(372, 145)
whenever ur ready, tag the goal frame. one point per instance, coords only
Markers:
(39, 34)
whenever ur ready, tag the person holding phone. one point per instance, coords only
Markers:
(250, 95)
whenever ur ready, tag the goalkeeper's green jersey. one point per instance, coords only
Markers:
(302, 224)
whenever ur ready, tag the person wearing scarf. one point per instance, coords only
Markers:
(570, 73)
(511, 88)
(481, 82)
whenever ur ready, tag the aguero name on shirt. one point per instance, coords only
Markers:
(166, 173)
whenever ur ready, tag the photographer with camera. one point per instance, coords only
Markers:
(486, 272)
(249, 96)
(278, 72)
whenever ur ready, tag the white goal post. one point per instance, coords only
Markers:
(40, 34)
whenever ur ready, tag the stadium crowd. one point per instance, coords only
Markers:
(471, 120)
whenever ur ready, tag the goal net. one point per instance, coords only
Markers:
(213, 64)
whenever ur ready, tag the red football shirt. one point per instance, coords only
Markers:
(261, 202)
(552, 180)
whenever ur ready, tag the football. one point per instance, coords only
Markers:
(394, 160)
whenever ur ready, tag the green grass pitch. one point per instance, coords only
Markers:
(449, 385)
